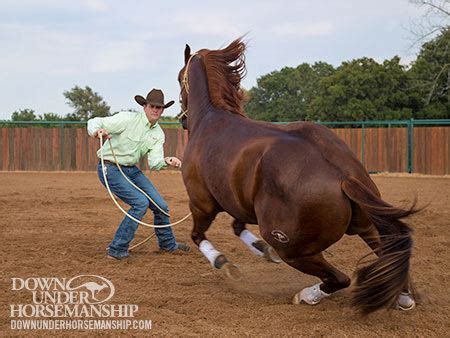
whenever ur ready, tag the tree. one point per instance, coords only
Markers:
(431, 69)
(286, 95)
(87, 104)
(363, 89)
(23, 115)
(433, 21)
(430, 77)
(51, 117)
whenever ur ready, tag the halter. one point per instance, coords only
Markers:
(185, 86)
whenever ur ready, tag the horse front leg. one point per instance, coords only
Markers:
(202, 222)
(256, 245)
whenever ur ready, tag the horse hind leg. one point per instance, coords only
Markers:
(202, 222)
(405, 300)
(332, 279)
(256, 245)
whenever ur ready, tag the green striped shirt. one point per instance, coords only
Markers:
(132, 137)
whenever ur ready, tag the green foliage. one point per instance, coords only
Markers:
(287, 94)
(23, 115)
(361, 89)
(430, 78)
(51, 117)
(87, 104)
(29, 115)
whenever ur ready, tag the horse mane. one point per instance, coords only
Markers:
(224, 70)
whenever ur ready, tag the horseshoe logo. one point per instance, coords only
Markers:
(280, 236)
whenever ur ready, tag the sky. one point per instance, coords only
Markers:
(124, 48)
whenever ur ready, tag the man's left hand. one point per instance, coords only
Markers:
(173, 161)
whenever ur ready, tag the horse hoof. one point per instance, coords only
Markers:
(271, 255)
(312, 295)
(231, 271)
(405, 302)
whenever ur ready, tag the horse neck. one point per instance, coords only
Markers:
(199, 102)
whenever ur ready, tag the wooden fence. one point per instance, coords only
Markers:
(386, 149)
(379, 149)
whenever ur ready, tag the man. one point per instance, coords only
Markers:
(133, 135)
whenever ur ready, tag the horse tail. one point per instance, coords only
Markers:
(380, 282)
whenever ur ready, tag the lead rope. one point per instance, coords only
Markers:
(118, 205)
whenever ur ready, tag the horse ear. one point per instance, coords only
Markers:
(187, 54)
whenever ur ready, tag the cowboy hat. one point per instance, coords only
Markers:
(155, 97)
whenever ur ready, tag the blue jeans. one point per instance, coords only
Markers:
(139, 205)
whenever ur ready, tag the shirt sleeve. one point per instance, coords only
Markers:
(112, 124)
(156, 154)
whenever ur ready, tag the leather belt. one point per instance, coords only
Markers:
(114, 163)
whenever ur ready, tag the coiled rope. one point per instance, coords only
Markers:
(139, 189)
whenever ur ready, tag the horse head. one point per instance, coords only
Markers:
(223, 70)
(182, 80)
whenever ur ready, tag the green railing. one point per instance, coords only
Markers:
(374, 123)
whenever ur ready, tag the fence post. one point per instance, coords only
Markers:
(410, 148)
(363, 143)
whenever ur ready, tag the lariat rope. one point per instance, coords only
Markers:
(142, 191)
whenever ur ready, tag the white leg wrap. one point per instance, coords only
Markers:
(312, 295)
(405, 302)
(248, 238)
(209, 251)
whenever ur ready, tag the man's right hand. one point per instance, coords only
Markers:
(104, 133)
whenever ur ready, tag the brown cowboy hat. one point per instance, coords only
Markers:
(155, 97)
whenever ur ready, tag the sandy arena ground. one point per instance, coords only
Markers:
(58, 224)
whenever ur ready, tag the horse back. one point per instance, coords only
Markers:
(333, 151)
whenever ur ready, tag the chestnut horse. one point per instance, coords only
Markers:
(299, 182)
